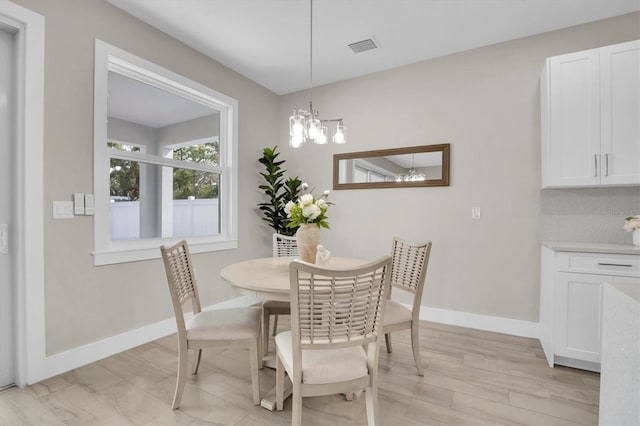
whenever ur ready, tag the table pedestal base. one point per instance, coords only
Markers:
(269, 400)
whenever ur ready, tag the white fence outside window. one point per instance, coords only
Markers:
(190, 217)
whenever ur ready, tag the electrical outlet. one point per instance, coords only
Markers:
(476, 213)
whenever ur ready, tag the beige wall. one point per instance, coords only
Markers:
(86, 303)
(485, 102)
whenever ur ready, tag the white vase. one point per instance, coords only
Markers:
(636, 237)
(308, 238)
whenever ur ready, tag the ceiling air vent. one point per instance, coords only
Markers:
(363, 46)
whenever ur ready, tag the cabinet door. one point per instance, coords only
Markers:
(574, 119)
(578, 312)
(620, 111)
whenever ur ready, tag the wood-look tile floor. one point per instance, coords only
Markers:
(471, 377)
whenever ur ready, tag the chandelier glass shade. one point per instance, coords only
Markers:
(304, 125)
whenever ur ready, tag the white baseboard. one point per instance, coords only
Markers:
(95, 351)
(480, 322)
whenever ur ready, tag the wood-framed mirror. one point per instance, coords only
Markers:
(425, 165)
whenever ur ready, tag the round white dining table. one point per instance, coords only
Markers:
(268, 277)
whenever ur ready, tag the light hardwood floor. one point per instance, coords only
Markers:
(471, 377)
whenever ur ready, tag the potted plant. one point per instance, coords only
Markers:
(278, 190)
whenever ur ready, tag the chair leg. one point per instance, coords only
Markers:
(415, 345)
(275, 324)
(196, 362)
(279, 384)
(265, 332)
(387, 340)
(372, 404)
(255, 376)
(296, 399)
(182, 373)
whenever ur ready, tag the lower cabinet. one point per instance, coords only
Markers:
(571, 303)
(578, 315)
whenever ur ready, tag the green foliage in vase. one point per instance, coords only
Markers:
(278, 190)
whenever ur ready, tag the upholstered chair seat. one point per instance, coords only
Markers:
(395, 313)
(224, 324)
(327, 365)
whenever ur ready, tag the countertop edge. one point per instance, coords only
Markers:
(607, 248)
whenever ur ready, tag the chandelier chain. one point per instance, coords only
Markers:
(311, 58)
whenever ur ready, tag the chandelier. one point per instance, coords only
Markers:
(304, 125)
(412, 175)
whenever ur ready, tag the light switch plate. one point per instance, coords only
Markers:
(63, 209)
(78, 204)
(89, 204)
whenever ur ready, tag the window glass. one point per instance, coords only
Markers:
(204, 153)
(123, 146)
(151, 201)
(124, 180)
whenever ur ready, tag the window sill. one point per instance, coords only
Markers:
(126, 252)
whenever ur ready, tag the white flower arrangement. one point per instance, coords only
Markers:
(632, 223)
(308, 209)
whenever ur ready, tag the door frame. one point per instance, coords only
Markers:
(28, 252)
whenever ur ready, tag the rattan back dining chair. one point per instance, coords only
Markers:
(283, 246)
(237, 327)
(336, 330)
(408, 272)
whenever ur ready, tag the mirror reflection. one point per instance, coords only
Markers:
(153, 200)
(426, 165)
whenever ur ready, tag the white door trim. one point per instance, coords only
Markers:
(29, 241)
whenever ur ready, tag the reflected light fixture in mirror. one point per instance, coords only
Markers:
(412, 175)
(304, 125)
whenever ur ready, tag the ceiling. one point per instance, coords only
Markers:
(267, 41)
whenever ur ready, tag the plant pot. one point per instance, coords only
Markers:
(308, 238)
(636, 237)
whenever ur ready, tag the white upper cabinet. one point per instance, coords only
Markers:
(620, 113)
(590, 120)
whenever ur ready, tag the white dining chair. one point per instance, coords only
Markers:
(237, 327)
(408, 271)
(283, 246)
(336, 330)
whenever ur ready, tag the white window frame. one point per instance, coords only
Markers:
(110, 58)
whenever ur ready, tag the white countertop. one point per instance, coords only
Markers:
(592, 247)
